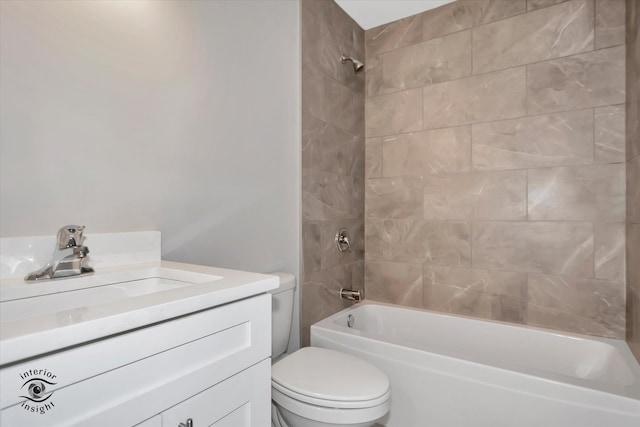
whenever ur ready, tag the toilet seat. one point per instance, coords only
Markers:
(330, 379)
(329, 415)
(326, 403)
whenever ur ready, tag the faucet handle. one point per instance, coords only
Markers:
(70, 236)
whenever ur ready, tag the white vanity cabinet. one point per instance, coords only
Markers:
(211, 367)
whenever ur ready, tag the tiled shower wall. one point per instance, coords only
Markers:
(495, 162)
(633, 176)
(332, 159)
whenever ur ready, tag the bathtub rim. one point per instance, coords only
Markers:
(631, 392)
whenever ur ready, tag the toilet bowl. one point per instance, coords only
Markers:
(317, 387)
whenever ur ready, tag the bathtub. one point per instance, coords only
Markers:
(457, 371)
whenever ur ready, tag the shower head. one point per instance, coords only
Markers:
(357, 65)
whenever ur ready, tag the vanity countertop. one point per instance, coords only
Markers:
(40, 318)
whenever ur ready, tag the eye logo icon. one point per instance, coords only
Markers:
(37, 389)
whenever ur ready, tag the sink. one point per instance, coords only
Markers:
(47, 316)
(73, 296)
(131, 288)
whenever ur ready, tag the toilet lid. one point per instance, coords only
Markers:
(323, 374)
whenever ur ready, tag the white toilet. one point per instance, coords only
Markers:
(317, 387)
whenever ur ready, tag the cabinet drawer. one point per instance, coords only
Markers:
(173, 361)
(241, 401)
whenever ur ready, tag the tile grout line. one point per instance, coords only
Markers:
(527, 195)
(494, 171)
(593, 254)
(471, 223)
(593, 130)
(526, 91)
(472, 33)
(594, 25)
(485, 220)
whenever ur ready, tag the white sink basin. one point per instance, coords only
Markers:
(53, 315)
(72, 297)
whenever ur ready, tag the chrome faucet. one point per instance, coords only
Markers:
(68, 256)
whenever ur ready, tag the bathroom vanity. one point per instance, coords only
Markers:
(152, 343)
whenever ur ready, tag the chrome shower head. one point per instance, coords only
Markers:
(357, 65)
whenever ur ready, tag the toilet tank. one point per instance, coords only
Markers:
(281, 313)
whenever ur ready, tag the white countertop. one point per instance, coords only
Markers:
(35, 334)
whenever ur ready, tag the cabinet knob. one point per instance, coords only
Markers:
(189, 423)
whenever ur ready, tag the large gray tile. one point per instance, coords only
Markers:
(633, 190)
(311, 248)
(610, 16)
(357, 275)
(419, 241)
(537, 4)
(373, 158)
(609, 241)
(394, 113)
(330, 255)
(450, 18)
(395, 283)
(434, 61)
(579, 193)
(632, 129)
(438, 151)
(464, 14)
(330, 101)
(586, 80)
(328, 148)
(583, 305)
(633, 322)
(633, 255)
(374, 83)
(609, 134)
(373, 239)
(394, 35)
(566, 321)
(474, 292)
(547, 33)
(326, 33)
(320, 292)
(476, 195)
(327, 196)
(493, 96)
(399, 197)
(313, 98)
(543, 247)
(347, 29)
(529, 142)
(503, 283)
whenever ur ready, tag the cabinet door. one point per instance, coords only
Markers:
(243, 400)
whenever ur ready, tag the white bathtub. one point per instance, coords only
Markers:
(457, 371)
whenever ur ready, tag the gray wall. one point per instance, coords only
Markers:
(496, 165)
(175, 116)
(633, 176)
(181, 117)
(332, 158)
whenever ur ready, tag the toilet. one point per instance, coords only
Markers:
(317, 387)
